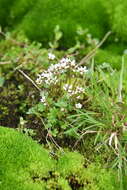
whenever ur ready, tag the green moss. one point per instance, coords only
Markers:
(22, 161)
(68, 15)
(5, 7)
(70, 164)
(40, 18)
(92, 177)
(117, 17)
(97, 178)
(106, 56)
(111, 57)
(25, 165)
(20, 8)
(64, 184)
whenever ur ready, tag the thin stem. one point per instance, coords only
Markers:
(93, 52)
(28, 78)
(5, 62)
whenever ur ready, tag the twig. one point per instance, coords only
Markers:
(5, 62)
(48, 141)
(86, 132)
(47, 132)
(93, 52)
(28, 78)
(52, 139)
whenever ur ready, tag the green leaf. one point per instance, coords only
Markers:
(58, 36)
(32, 111)
(61, 104)
(58, 33)
(40, 107)
(71, 132)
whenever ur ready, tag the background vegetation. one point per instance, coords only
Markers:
(63, 84)
(26, 165)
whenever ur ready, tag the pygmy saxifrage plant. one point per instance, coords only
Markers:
(62, 79)
(62, 87)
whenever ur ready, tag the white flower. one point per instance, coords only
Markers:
(43, 99)
(68, 88)
(51, 56)
(73, 63)
(82, 70)
(78, 106)
(38, 81)
(70, 91)
(80, 89)
(78, 97)
(65, 60)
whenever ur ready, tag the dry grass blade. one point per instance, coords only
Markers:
(5, 62)
(28, 78)
(93, 52)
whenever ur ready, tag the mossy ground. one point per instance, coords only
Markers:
(26, 165)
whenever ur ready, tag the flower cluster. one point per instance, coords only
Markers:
(50, 76)
(47, 77)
